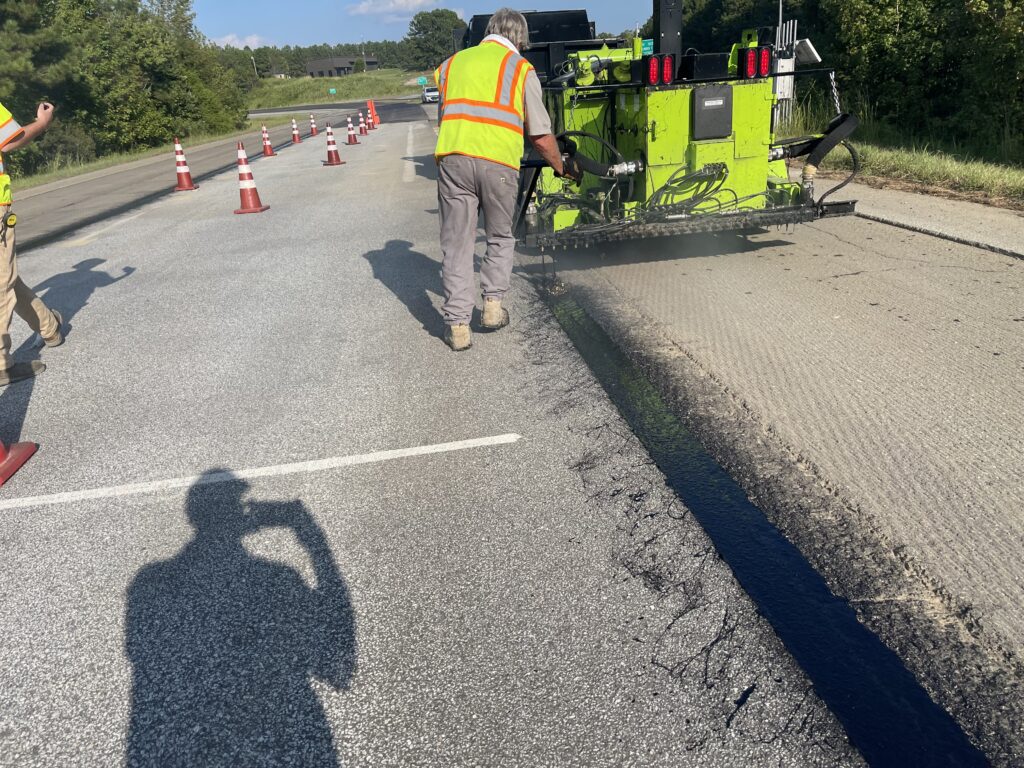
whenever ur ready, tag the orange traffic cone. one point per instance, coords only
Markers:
(373, 111)
(246, 186)
(268, 148)
(13, 458)
(296, 139)
(312, 127)
(369, 122)
(184, 174)
(362, 125)
(333, 156)
(351, 133)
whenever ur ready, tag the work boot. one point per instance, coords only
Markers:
(58, 336)
(458, 337)
(20, 371)
(494, 317)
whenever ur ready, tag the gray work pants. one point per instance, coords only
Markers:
(466, 186)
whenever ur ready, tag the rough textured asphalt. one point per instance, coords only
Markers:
(55, 210)
(865, 385)
(543, 603)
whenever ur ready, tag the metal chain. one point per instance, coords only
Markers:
(835, 92)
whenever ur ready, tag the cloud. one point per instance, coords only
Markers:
(391, 9)
(234, 41)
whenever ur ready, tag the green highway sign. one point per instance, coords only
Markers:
(647, 47)
(422, 80)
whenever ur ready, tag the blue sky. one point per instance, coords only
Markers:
(304, 22)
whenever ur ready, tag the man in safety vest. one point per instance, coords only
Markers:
(489, 98)
(15, 296)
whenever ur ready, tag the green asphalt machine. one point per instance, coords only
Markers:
(672, 140)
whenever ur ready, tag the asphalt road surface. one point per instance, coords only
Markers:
(54, 210)
(274, 521)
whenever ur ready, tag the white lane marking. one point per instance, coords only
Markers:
(93, 235)
(279, 470)
(409, 169)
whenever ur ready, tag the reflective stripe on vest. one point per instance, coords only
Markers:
(482, 104)
(9, 129)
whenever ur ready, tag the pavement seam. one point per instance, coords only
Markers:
(941, 235)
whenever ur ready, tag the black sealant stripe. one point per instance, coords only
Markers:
(888, 716)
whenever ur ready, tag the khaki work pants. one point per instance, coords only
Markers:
(465, 187)
(15, 296)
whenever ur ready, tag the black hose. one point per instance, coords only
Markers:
(588, 164)
(855, 158)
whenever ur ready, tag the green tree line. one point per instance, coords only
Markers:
(428, 42)
(132, 73)
(127, 74)
(122, 74)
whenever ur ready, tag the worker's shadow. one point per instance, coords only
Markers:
(426, 166)
(68, 293)
(225, 645)
(412, 276)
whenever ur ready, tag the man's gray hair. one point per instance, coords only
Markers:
(510, 25)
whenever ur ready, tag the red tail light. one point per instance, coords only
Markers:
(668, 69)
(653, 70)
(765, 62)
(750, 61)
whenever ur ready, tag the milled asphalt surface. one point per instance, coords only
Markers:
(546, 602)
(865, 385)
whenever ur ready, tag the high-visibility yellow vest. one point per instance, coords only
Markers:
(9, 129)
(482, 108)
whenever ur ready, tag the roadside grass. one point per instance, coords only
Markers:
(886, 154)
(270, 93)
(59, 169)
(937, 169)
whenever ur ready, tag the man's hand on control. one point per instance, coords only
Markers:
(571, 169)
(548, 149)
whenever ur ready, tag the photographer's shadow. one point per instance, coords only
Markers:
(224, 645)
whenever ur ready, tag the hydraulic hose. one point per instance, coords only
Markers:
(586, 163)
(855, 159)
